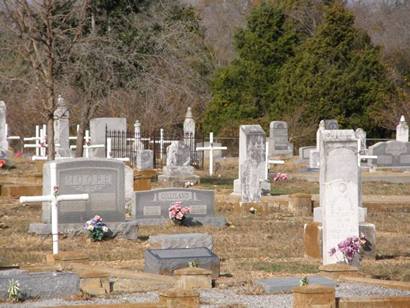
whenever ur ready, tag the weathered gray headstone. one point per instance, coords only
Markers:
(331, 124)
(252, 163)
(129, 188)
(402, 130)
(189, 129)
(286, 284)
(391, 154)
(102, 179)
(178, 170)
(165, 261)
(40, 285)
(304, 152)
(182, 240)
(4, 145)
(62, 129)
(151, 207)
(339, 189)
(279, 140)
(97, 132)
(145, 159)
(361, 135)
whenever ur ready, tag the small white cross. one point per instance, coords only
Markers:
(211, 148)
(360, 157)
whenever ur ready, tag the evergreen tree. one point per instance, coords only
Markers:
(335, 74)
(245, 89)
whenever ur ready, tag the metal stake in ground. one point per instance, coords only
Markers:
(211, 148)
(54, 198)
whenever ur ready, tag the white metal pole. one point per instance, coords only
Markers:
(161, 142)
(211, 156)
(87, 141)
(108, 148)
(37, 140)
(54, 210)
(266, 159)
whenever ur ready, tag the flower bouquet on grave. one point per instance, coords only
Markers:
(6, 164)
(279, 177)
(96, 228)
(177, 212)
(349, 248)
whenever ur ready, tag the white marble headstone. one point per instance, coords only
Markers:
(402, 130)
(62, 129)
(339, 189)
(189, 128)
(4, 145)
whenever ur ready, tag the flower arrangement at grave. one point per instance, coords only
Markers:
(6, 164)
(177, 212)
(347, 249)
(96, 228)
(279, 177)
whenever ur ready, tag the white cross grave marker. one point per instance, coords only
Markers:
(211, 148)
(361, 157)
(54, 199)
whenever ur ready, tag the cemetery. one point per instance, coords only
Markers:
(265, 229)
(204, 153)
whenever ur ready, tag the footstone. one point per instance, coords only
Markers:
(126, 229)
(184, 240)
(41, 284)
(152, 207)
(166, 261)
(286, 284)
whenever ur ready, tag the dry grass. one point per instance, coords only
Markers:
(252, 247)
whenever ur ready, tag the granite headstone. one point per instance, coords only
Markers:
(391, 154)
(278, 139)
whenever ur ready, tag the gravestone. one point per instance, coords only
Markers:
(178, 170)
(339, 189)
(304, 152)
(402, 130)
(97, 132)
(314, 156)
(391, 154)
(252, 164)
(361, 135)
(102, 179)
(189, 129)
(62, 129)
(145, 159)
(166, 261)
(181, 240)
(151, 207)
(4, 145)
(278, 140)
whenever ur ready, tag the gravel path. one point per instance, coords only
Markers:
(213, 298)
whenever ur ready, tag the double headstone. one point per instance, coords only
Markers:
(62, 129)
(252, 163)
(178, 170)
(393, 154)
(4, 145)
(98, 128)
(278, 140)
(152, 207)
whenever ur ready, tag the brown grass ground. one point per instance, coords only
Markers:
(253, 246)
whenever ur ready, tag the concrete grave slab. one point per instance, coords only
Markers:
(286, 284)
(182, 240)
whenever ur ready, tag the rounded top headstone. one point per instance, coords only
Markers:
(402, 119)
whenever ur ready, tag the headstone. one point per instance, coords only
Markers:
(166, 261)
(62, 129)
(361, 135)
(137, 136)
(304, 152)
(278, 139)
(145, 159)
(151, 207)
(189, 129)
(98, 127)
(286, 284)
(331, 124)
(4, 145)
(314, 156)
(339, 189)
(402, 130)
(178, 170)
(252, 163)
(391, 154)
(102, 179)
(40, 285)
(182, 240)
(129, 188)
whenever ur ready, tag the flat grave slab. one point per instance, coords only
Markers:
(286, 284)
(41, 284)
(165, 261)
(182, 240)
